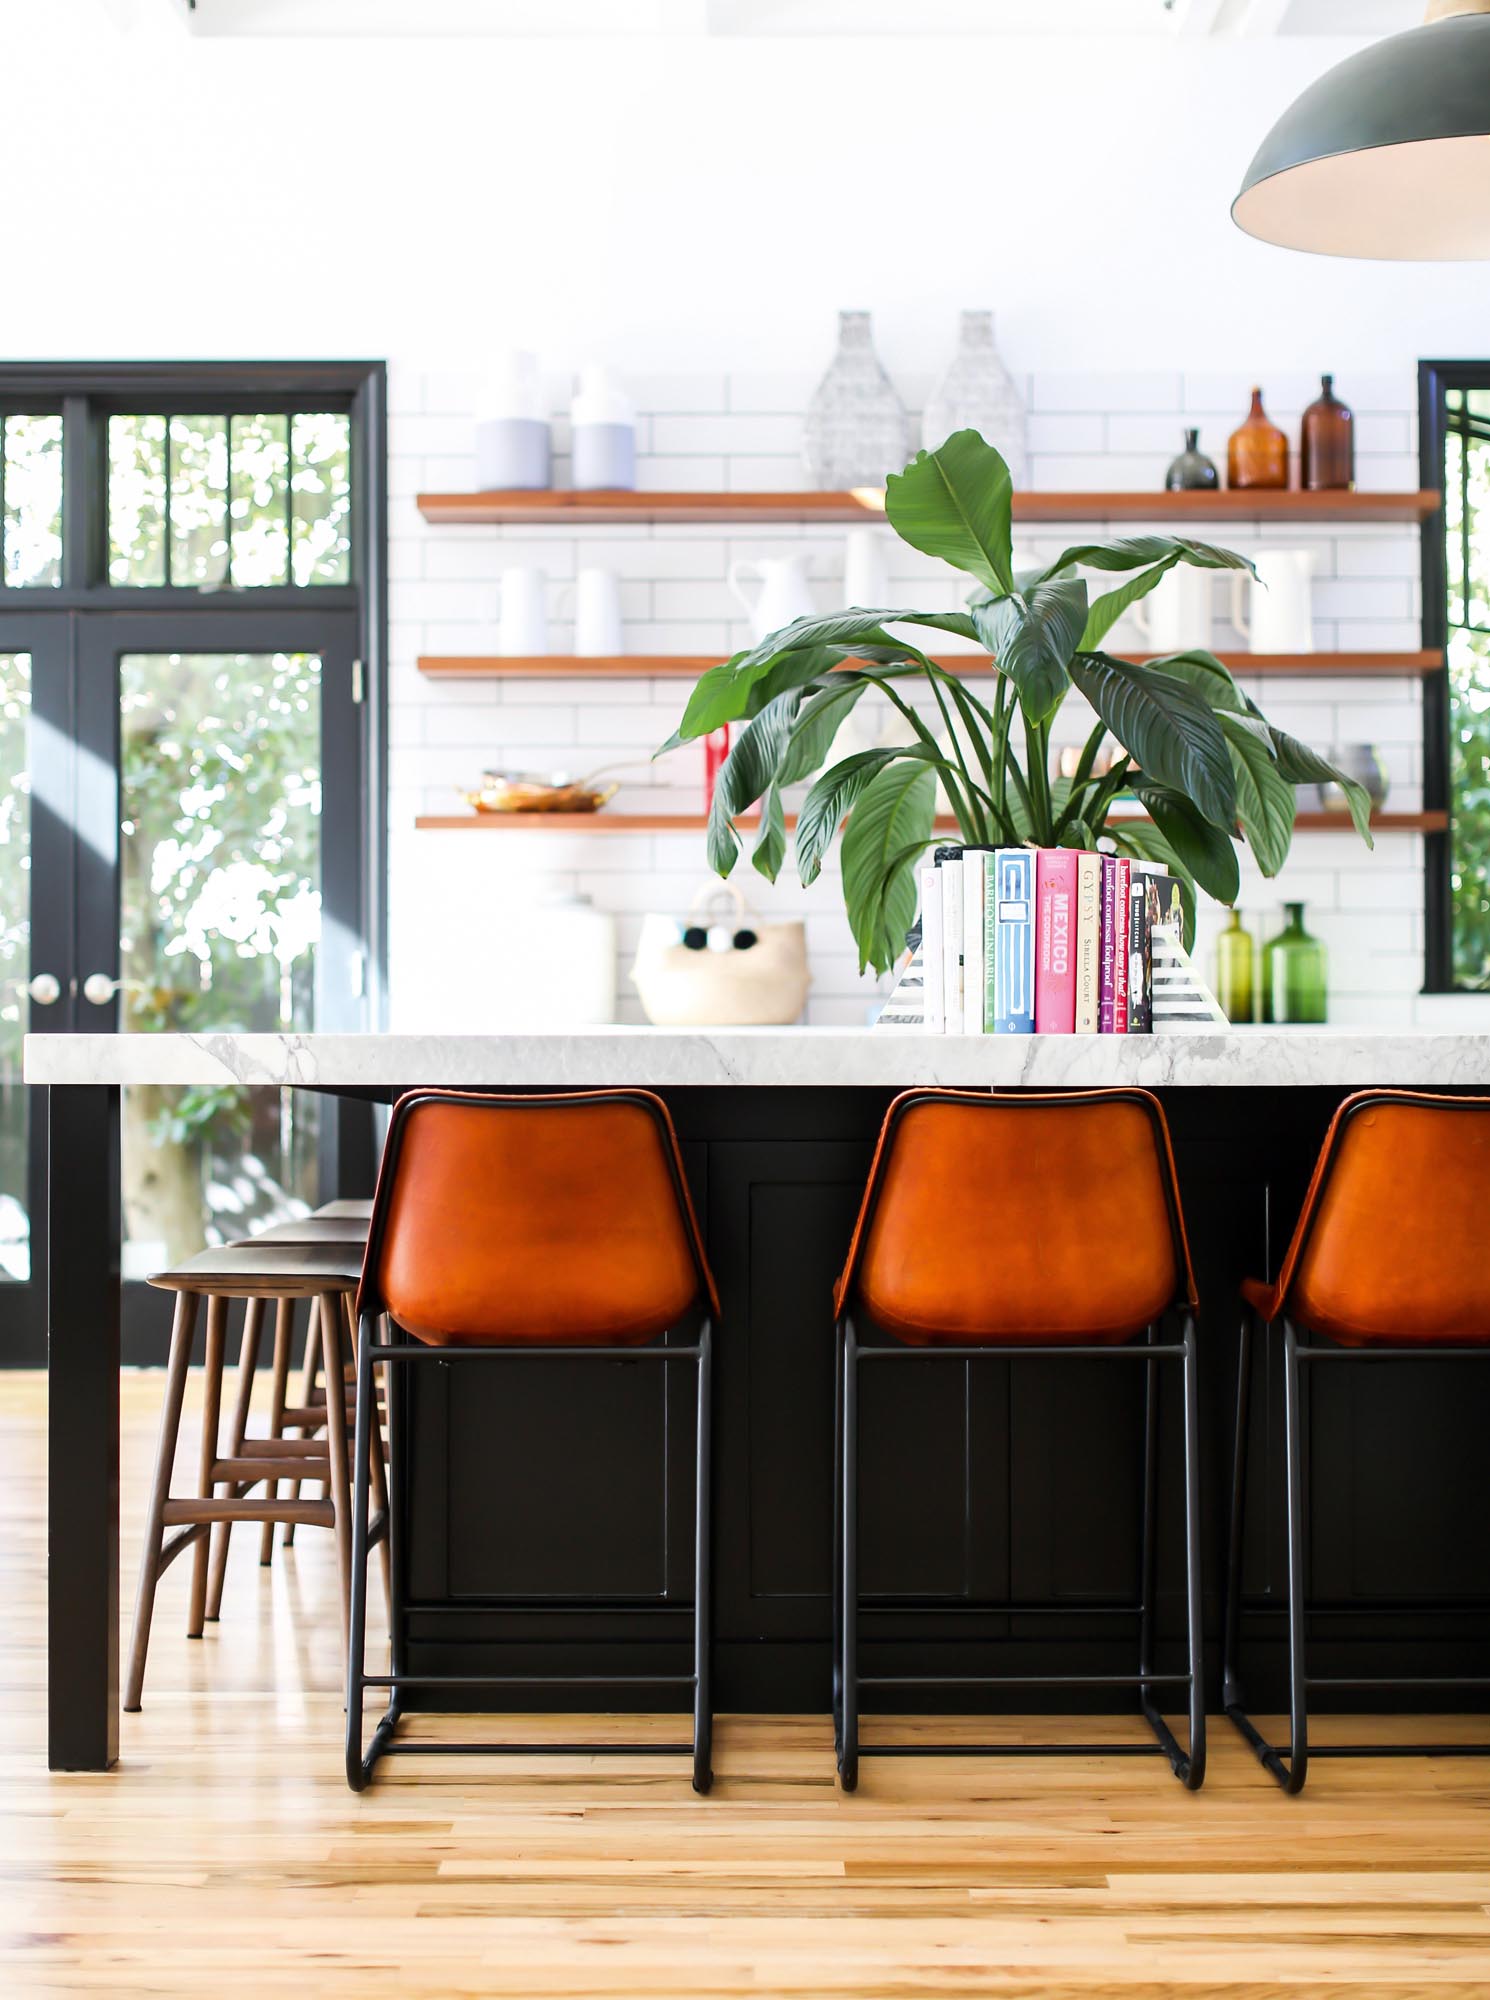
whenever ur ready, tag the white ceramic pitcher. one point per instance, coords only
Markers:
(1175, 617)
(784, 592)
(1272, 610)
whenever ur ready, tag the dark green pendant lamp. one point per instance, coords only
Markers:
(1388, 154)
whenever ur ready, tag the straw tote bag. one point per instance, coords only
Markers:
(719, 967)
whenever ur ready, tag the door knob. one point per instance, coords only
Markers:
(99, 989)
(45, 988)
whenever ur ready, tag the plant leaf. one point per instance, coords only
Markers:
(770, 846)
(1169, 730)
(1032, 640)
(1109, 607)
(818, 721)
(955, 503)
(830, 798)
(1302, 766)
(751, 765)
(1205, 849)
(1137, 551)
(1209, 676)
(1264, 799)
(891, 822)
(728, 693)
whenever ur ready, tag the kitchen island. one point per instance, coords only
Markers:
(982, 1485)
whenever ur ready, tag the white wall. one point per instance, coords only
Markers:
(694, 211)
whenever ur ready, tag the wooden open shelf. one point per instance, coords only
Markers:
(684, 666)
(590, 509)
(615, 822)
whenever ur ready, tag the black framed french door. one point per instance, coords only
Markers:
(37, 986)
(219, 818)
(182, 820)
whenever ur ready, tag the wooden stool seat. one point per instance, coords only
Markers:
(242, 1482)
(344, 1230)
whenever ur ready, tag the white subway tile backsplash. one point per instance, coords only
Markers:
(1088, 431)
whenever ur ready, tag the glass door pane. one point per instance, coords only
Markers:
(15, 963)
(220, 878)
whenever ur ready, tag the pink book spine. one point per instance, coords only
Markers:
(1122, 882)
(1055, 944)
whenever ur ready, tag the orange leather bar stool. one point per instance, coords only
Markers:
(1009, 1227)
(1388, 1263)
(555, 1225)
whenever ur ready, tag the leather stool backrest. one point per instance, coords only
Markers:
(1004, 1217)
(1394, 1240)
(559, 1219)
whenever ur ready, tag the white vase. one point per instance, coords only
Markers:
(855, 433)
(1176, 616)
(523, 631)
(866, 570)
(1274, 610)
(597, 614)
(977, 393)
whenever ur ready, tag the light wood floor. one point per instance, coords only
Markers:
(226, 1856)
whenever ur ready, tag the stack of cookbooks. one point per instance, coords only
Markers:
(1051, 940)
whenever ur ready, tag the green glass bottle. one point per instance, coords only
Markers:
(1293, 972)
(1234, 970)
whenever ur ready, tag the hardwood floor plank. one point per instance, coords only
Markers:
(227, 1856)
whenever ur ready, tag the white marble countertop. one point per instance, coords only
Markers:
(1339, 1057)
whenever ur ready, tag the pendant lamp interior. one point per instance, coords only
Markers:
(1388, 154)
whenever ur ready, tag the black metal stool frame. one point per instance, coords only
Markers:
(1289, 1764)
(1188, 1767)
(395, 1353)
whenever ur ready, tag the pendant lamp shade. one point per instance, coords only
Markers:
(1387, 155)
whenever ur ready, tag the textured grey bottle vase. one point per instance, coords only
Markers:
(604, 456)
(513, 452)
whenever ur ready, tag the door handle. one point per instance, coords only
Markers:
(44, 988)
(99, 988)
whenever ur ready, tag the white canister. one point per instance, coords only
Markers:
(1175, 617)
(513, 446)
(597, 613)
(1274, 611)
(568, 963)
(604, 433)
(523, 630)
(866, 570)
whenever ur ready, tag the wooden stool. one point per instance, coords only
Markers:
(305, 1419)
(257, 1274)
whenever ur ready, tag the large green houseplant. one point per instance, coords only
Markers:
(1198, 754)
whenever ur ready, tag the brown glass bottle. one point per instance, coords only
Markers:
(1327, 444)
(1257, 451)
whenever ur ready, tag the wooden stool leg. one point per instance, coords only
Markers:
(248, 1361)
(182, 1333)
(309, 1376)
(284, 1333)
(336, 1445)
(217, 1326)
(378, 1460)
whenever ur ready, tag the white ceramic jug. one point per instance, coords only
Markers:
(1176, 615)
(784, 592)
(524, 627)
(1272, 610)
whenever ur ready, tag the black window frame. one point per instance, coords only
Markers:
(1435, 380)
(88, 393)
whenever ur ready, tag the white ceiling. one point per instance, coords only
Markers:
(1364, 18)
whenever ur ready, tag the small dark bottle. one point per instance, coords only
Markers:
(1328, 443)
(1192, 471)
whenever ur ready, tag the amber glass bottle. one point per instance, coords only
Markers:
(1257, 451)
(1327, 446)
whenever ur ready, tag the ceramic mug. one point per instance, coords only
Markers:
(523, 630)
(597, 613)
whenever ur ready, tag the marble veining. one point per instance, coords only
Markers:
(1340, 1057)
